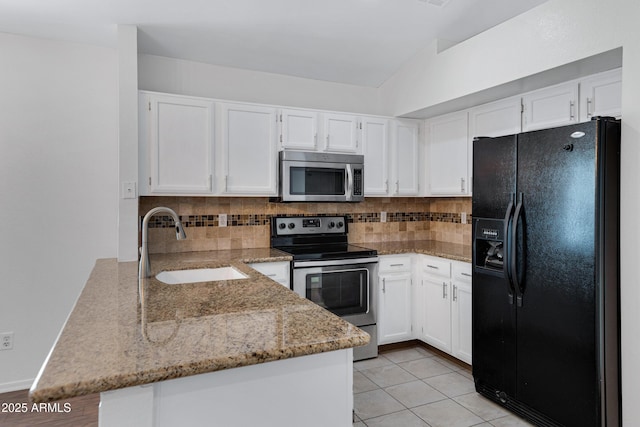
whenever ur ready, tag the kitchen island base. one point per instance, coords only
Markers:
(313, 390)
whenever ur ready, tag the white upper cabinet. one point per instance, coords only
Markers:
(406, 175)
(447, 155)
(249, 149)
(176, 144)
(341, 133)
(299, 129)
(496, 118)
(550, 107)
(601, 95)
(375, 145)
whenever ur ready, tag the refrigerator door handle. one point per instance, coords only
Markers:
(508, 216)
(512, 255)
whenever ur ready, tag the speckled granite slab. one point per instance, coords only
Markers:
(454, 251)
(119, 337)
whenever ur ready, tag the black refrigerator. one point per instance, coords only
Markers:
(546, 323)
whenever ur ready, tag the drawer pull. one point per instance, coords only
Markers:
(272, 275)
(433, 266)
(466, 274)
(396, 265)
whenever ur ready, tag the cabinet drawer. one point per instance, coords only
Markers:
(436, 266)
(461, 272)
(394, 263)
(278, 271)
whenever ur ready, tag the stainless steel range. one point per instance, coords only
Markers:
(326, 269)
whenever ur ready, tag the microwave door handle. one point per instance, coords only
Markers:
(349, 183)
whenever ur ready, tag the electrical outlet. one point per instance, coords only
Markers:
(383, 216)
(463, 217)
(6, 341)
(222, 220)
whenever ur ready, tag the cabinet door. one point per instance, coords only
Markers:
(436, 327)
(180, 141)
(550, 107)
(461, 312)
(406, 147)
(394, 323)
(249, 147)
(341, 133)
(601, 95)
(447, 151)
(375, 145)
(299, 129)
(496, 119)
(276, 271)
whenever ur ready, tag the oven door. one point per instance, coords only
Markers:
(347, 288)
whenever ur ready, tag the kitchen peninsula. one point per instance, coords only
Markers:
(192, 354)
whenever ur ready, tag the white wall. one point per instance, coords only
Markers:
(554, 34)
(58, 188)
(170, 75)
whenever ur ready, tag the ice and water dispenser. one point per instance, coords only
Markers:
(490, 245)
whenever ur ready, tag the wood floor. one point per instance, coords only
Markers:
(77, 412)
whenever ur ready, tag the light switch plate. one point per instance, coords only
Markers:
(222, 220)
(463, 217)
(128, 190)
(383, 216)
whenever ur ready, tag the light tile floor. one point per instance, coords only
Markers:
(416, 387)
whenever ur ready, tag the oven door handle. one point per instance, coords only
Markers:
(327, 263)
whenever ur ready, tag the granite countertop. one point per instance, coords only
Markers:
(454, 251)
(115, 339)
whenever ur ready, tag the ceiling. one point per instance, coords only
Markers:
(360, 42)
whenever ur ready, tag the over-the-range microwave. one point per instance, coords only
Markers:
(320, 177)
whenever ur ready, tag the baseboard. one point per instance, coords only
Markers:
(16, 385)
(411, 343)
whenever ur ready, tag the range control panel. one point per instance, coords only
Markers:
(310, 225)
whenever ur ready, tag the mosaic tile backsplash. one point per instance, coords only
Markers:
(248, 220)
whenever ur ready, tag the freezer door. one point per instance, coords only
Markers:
(494, 176)
(556, 340)
(494, 329)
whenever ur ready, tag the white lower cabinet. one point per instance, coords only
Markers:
(277, 271)
(436, 302)
(461, 311)
(442, 305)
(394, 299)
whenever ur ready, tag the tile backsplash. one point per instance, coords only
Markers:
(248, 220)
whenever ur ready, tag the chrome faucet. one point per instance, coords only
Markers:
(144, 269)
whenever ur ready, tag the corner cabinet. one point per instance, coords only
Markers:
(249, 149)
(394, 299)
(176, 144)
(448, 155)
(406, 155)
(375, 146)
